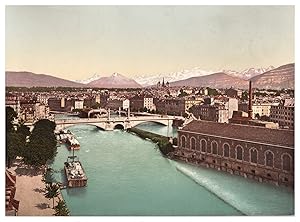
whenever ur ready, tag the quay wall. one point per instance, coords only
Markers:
(258, 161)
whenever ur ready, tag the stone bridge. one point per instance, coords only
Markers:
(114, 123)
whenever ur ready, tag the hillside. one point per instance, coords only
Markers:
(216, 80)
(29, 79)
(281, 77)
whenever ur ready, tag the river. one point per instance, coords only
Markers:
(129, 176)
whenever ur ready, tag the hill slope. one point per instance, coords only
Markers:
(216, 80)
(29, 79)
(281, 77)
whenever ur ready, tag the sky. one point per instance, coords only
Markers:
(75, 42)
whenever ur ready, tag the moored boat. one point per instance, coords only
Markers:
(74, 171)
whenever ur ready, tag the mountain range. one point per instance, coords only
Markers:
(278, 78)
(275, 78)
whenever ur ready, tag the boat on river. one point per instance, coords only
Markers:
(74, 171)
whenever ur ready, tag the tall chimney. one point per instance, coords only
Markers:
(250, 111)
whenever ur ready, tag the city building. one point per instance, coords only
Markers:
(78, 104)
(283, 114)
(231, 105)
(137, 103)
(114, 104)
(126, 104)
(216, 112)
(259, 109)
(149, 103)
(263, 154)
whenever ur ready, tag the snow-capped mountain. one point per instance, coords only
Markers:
(116, 80)
(248, 73)
(148, 80)
(86, 81)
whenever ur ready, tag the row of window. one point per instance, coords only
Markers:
(237, 153)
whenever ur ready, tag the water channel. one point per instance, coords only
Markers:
(129, 176)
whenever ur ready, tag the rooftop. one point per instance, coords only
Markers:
(243, 132)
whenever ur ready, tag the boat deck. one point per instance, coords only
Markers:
(75, 174)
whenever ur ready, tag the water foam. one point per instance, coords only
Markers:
(247, 196)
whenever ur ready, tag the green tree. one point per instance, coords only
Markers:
(42, 144)
(51, 191)
(61, 209)
(10, 116)
(48, 175)
(245, 95)
(14, 147)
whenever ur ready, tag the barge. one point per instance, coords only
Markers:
(74, 171)
(65, 136)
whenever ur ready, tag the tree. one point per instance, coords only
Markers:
(145, 109)
(212, 92)
(61, 209)
(10, 116)
(182, 93)
(13, 138)
(14, 147)
(96, 106)
(42, 144)
(245, 95)
(257, 116)
(51, 191)
(48, 175)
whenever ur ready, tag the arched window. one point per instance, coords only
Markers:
(239, 152)
(226, 150)
(214, 146)
(183, 141)
(203, 144)
(269, 158)
(286, 162)
(193, 143)
(253, 155)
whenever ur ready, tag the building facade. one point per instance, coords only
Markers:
(149, 103)
(216, 113)
(283, 114)
(261, 109)
(266, 155)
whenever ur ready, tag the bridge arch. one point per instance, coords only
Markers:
(159, 122)
(65, 126)
(119, 126)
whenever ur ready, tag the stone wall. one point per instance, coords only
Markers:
(259, 161)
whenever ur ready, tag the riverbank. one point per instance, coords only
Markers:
(163, 142)
(29, 191)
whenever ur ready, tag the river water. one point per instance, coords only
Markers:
(129, 176)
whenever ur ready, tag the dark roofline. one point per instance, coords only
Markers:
(256, 134)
